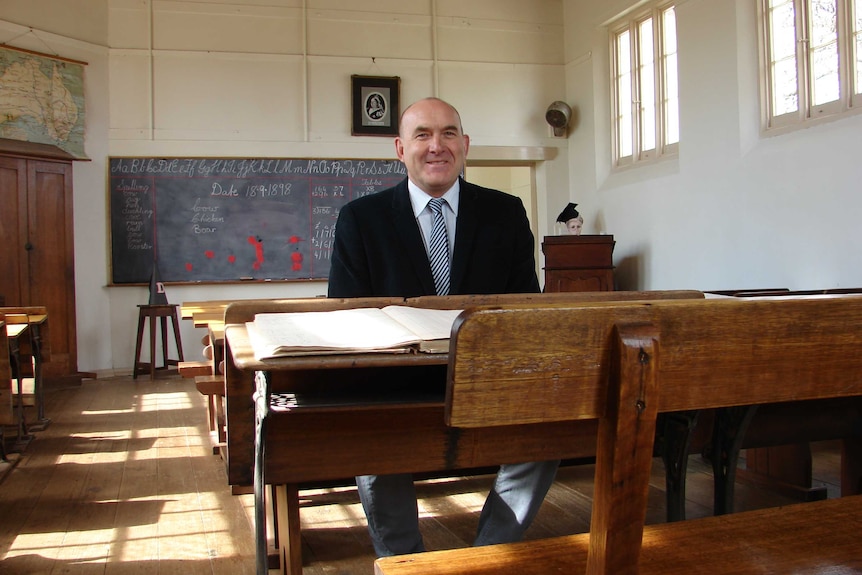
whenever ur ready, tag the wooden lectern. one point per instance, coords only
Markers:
(579, 263)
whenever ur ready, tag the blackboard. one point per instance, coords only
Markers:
(230, 219)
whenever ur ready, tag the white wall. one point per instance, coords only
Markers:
(271, 78)
(737, 209)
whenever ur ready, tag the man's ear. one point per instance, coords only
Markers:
(399, 149)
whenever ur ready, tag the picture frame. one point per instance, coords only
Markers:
(376, 105)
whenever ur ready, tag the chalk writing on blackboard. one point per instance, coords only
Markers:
(225, 219)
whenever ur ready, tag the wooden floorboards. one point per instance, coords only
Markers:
(124, 481)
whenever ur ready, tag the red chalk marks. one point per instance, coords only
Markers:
(258, 251)
(209, 254)
(296, 258)
(231, 258)
(188, 266)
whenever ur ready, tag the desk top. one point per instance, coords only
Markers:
(14, 330)
(190, 308)
(206, 318)
(25, 318)
(38, 318)
(216, 332)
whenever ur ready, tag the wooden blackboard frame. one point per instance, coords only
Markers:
(232, 219)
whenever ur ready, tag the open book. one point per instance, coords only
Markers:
(391, 329)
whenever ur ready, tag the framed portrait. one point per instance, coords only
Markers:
(375, 105)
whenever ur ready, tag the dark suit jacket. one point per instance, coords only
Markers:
(379, 249)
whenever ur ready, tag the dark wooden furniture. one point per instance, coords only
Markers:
(209, 374)
(772, 459)
(818, 537)
(7, 391)
(698, 355)
(578, 263)
(36, 230)
(328, 418)
(157, 315)
(34, 353)
(16, 336)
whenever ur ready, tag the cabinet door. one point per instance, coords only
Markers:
(51, 259)
(13, 228)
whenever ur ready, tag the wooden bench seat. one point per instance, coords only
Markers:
(721, 354)
(774, 541)
(212, 387)
(195, 368)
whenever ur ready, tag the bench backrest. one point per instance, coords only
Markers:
(552, 298)
(623, 362)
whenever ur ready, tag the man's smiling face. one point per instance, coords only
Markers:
(432, 145)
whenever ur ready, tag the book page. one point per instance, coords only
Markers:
(362, 329)
(427, 324)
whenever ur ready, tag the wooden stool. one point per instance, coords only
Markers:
(163, 312)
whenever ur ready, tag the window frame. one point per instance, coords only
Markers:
(631, 23)
(807, 113)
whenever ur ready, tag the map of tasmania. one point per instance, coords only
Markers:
(42, 101)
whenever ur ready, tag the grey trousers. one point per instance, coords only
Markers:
(390, 506)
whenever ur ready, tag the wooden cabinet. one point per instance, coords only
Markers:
(36, 235)
(579, 263)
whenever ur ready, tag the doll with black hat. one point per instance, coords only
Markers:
(571, 219)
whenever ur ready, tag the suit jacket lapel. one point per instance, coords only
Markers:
(411, 239)
(465, 232)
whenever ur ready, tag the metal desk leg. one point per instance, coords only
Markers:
(3, 456)
(674, 445)
(731, 423)
(42, 422)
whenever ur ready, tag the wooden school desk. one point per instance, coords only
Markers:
(15, 333)
(207, 373)
(7, 397)
(208, 314)
(34, 346)
(363, 414)
(401, 429)
(777, 436)
(682, 355)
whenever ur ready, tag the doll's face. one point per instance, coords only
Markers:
(574, 225)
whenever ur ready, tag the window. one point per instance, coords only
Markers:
(644, 86)
(812, 51)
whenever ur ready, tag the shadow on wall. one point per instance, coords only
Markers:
(598, 224)
(628, 275)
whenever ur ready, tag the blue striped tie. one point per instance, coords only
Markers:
(438, 248)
